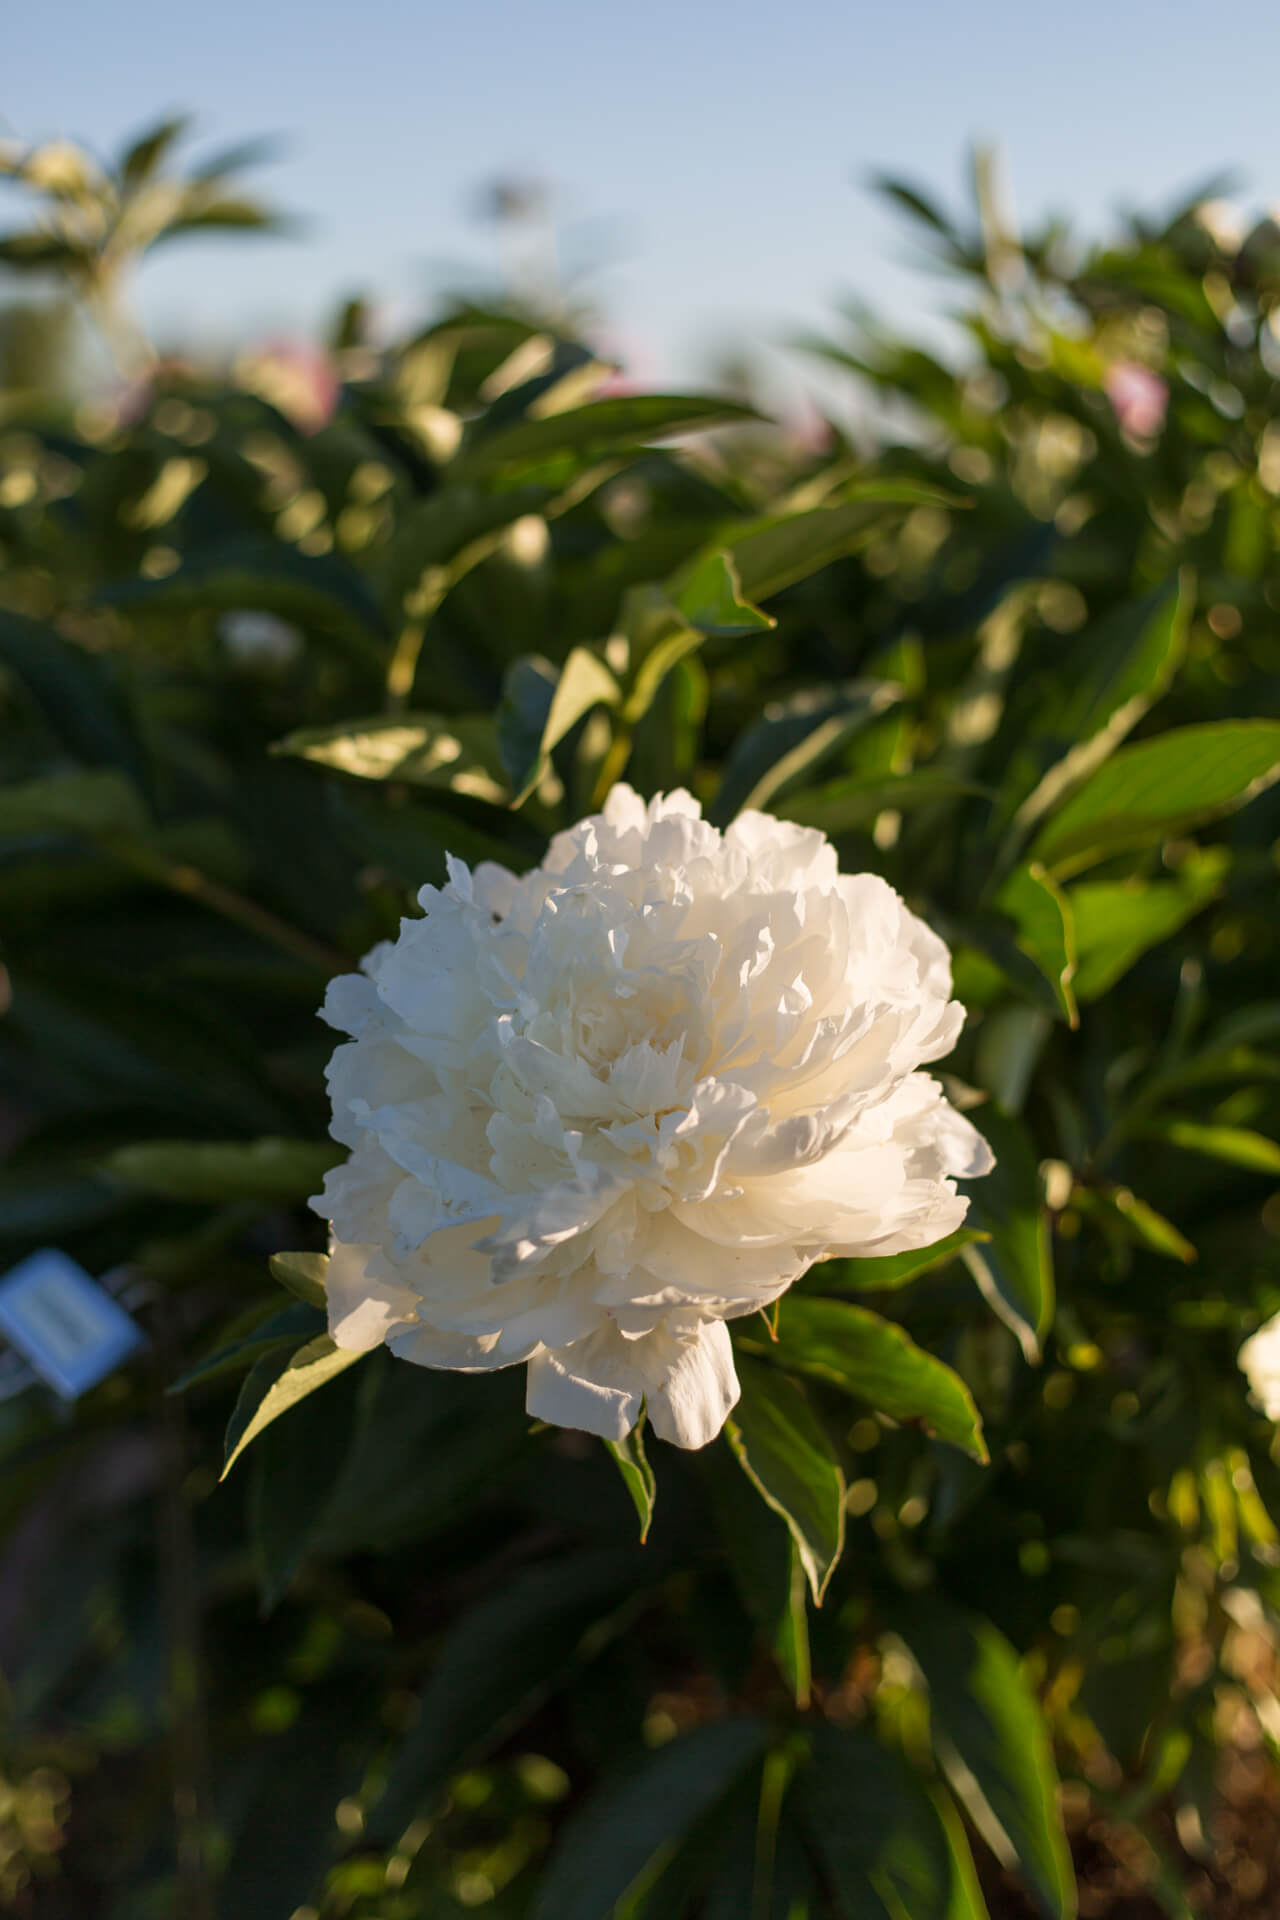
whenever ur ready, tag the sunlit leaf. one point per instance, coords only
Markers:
(865, 1355)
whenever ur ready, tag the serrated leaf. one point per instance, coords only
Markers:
(623, 1826)
(422, 749)
(863, 1354)
(781, 1447)
(273, 1387)
(982, 1711)
(1159, 787)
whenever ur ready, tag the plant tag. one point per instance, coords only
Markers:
(67, 1326)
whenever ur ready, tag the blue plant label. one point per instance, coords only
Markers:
(63, 1323)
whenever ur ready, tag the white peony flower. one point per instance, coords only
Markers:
(596, 1112)
(1260, 1359)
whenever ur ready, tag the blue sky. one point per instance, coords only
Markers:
(714, 152)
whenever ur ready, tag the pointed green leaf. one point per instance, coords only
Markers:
(273, 1387)
(1045, 933)
(598, 428)
(239, 1348)
(637, 1474)
(1116, 922)
(862, 1354)
(303, 1274)
(983, 1713)
(422, 749)
(1159, 787)
(1238, 1146)
(710, 598)
(873, 1826)
(624, 1825)
(781, 1447)
(892, 1270)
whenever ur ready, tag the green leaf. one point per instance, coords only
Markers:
(967, 1902)
(1014, 1269)
(598, 428)
(78, 695)
(141, 159)
(1239, 1146)
(620, 1829)
(871, 1823)
(423, 749)
(637, 1474)
(1111, 676)
(538, 710)
(710, 598)
(1118, 921)
(793, 738)
(766, 1567)
(212, 1171)
(862, 1354)
(497, 1663)
(319, 590)
(283, 1328)
(303, 1274)
(1159, 787)
(1041, 913)
(782, 1449)
(294, 1470)
(983, 1713)
(854, 800)
(272, 1388)
(892, 1270)
(95, 804)
(776, 551)
(454, 525)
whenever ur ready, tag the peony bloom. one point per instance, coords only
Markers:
(1259, 1357)
(596, 1112)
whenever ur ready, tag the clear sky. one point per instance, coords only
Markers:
(715, 152)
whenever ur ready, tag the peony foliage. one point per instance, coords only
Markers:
(799, 921)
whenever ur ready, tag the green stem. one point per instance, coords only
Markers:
(179, 876)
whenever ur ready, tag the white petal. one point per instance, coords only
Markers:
(696, 1391)
(579, 1388)
(363, 1309)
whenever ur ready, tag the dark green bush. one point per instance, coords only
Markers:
(1020, 656)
